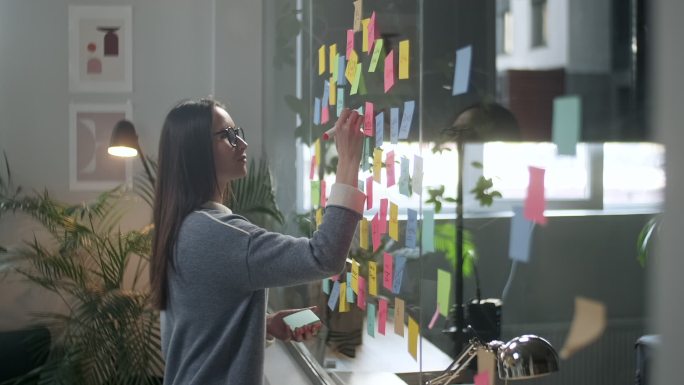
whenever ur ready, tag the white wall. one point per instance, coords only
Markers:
(181, 49)
(524, 56)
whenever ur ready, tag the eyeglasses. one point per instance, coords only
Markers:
(232, 134)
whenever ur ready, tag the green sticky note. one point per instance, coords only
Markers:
(301, 318)
(427, 234)
(357, 79)
(315, 193)
(443, 291)
(365, 164)
(567, 119)
(377, 50)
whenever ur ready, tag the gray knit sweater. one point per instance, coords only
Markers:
(213, 328)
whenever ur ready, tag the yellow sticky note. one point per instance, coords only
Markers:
(334, 65)
(333, 93)
(377, 49)
(404, 59)
(321, 60)
(355, 276)
(363, 234)
(333, 61)
(413, 338)
(317, 148)
(364, 43)
(350, 71)
(319, 216)
(398, 316)
(372, 278)
(377, 164)
(344, 307)
(358, 7)
(394, 222)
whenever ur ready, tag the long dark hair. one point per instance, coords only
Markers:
(186, 179)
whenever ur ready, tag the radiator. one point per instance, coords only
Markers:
(610, 360)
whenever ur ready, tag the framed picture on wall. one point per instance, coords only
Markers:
(100, 49)
(91, 168)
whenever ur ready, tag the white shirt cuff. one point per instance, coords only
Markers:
(347, 196)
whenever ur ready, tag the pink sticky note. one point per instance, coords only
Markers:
(534, 202)
(434, 318)
(369, 119)
(350, 42)
(335, 278)
(387, 271)
(375, 230)
(313, 167)
(382, 315)
(323, 197)
(325, 114)
(389, 167)
(371, 32)
(481, 378)
(383, 215)
(389, 70)
(361, 299)
(369, 193)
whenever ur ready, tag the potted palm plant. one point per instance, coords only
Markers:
(109, 334)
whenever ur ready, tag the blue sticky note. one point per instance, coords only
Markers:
(326, 285)
(567, 119)
(411, 227)
(317, 111)
(341, 79)
(404, 177)
(370, 319)
(326, 93)
(334, 296)
(462, 70)
(399, 265)
(340, 100)
(379, 128)
(394, 125)
(406, 119)
(428, 233)
(521, 235)
(350, 289)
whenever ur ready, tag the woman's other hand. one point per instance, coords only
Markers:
(276, 327)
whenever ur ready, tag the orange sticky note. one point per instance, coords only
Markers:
(364, 40)
(358, 7)
(398, 316)
(350, 71)
(319, 217)
(317, 149)
(372, 278)
(361, 300)
(323, 194)
(389, 71)
(321, 60)
(363, 234)
(394, 222)
(350, 43)
(369, 193)
(368, 119)
(404, 59)
(413, 338)
(371, 32)
(535, 202)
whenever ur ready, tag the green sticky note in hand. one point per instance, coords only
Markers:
(300, 319)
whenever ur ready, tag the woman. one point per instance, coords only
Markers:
(210, 267)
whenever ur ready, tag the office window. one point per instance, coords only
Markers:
(504, 27)
(633, 174)
(539, 23)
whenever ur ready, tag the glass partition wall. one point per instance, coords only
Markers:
(530, 92)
